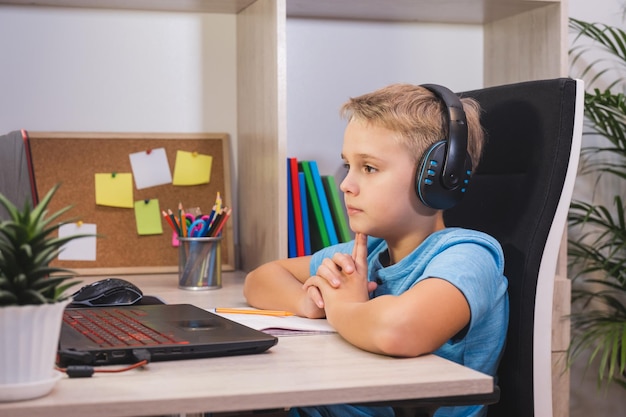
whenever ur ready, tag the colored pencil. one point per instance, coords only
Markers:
(222, 222)
(181, 219)
(175, 221)
(225, 310)
(218, 202)
(169, 221)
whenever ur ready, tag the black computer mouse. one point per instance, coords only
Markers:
(106, 293)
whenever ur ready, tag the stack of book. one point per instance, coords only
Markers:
(315, 209)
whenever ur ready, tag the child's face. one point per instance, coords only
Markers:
(379, 185)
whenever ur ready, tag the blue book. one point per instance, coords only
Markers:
(305, 214)
(321, 194)
(291, 226)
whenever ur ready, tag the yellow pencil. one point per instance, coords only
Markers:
(218, 203)
(226, 310)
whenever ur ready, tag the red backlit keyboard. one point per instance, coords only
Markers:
(116, 328)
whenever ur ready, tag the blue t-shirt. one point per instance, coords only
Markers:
(471, 261)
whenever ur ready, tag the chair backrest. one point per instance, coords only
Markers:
(520, 194)
(16, 180)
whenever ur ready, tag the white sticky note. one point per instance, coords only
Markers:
(80, 249)
(150, 168)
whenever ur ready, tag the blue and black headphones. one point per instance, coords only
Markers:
(444, 171)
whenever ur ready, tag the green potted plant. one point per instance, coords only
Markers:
(32, 298)
(597, 229)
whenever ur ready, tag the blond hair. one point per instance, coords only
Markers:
(417, 115)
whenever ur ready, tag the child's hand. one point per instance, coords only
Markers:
(312, 304)
(342, 270)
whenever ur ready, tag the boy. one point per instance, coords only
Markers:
(406, 285)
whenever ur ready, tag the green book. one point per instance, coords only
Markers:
(317, 227)
(336, 208)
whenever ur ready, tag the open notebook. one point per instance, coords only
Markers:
(281, 325)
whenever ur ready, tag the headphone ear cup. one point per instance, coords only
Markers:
(444, 171)
(428, 185)
(428, 173)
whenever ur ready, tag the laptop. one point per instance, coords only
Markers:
(122, 334)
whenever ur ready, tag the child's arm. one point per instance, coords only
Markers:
(416, 322)
(278, 285)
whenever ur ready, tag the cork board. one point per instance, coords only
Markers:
(73, 159)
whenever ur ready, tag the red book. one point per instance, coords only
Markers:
(297, 206)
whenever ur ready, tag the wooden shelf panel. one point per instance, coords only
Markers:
(201, 6)
(443, 11)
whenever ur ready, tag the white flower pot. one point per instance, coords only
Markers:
(29, 337)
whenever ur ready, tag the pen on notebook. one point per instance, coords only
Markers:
(226, 310)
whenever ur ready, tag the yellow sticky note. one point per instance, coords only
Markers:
(192, 168)
(148, 217)
(114, 189)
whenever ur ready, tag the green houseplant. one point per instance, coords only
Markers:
(597, 229)
(32, 298)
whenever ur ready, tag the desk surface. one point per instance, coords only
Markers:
(299, 370)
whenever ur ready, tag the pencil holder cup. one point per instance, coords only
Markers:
(199, 263)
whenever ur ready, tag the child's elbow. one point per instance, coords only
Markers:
(396, 345)
(401, 340)
(248, 285)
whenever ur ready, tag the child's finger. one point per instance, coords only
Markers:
(311, 286)
(356, 244)
(316, 296)
(359, 252)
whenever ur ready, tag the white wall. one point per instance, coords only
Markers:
(100, 70)
(605, 11)
(329, 61)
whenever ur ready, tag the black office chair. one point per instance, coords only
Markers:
(16, 180)
(520, 194)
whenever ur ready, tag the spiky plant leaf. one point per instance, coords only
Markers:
(28, 243)
(7, 298)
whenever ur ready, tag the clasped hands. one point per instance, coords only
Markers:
(342, 278)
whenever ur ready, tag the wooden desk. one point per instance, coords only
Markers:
(299, 370)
